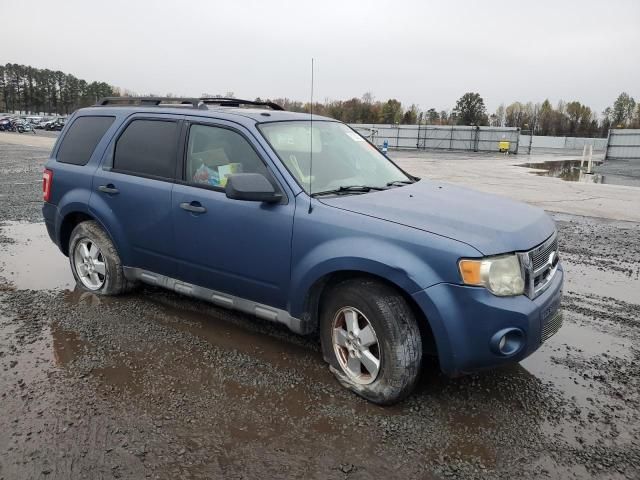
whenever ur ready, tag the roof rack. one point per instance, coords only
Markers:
(200, 103)
(151, 101)
(236, 102)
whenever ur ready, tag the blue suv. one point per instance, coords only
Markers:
(300, 220)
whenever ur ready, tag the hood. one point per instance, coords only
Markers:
(489, 223)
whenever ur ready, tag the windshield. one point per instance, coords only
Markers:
(341, 157)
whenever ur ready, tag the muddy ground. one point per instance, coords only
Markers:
(161, 386)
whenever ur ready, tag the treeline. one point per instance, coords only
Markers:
(357, 110)
(35, 90)
(565, 119)
(571, 119)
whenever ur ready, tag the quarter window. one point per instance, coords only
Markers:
(147, 147)
(80, 141)
(213, 153)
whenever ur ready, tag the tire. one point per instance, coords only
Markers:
(398, 344)
(104, 262)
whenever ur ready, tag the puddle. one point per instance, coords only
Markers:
(66, 346)
(588, 279)
(574, 342)
(592, 342)
(31, 260)
(571, 171)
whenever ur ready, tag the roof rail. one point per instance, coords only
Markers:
(200, 103)
(151, 101)
(236, 102)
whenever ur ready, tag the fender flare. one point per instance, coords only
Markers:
(409, 272)
(75, 206)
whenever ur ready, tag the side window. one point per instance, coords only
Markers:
(213, 153)
(147, 147)
(80, 141)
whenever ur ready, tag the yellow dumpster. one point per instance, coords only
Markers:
(503, 145)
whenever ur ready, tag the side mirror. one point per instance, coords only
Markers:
(253, 187)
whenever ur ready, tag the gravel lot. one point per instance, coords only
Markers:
(157, 385)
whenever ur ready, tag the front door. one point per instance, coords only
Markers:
(237, 247)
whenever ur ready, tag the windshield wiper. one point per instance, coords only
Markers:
(348, 189)
(397, 183)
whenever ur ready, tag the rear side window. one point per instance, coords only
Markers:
(148, 148)
(80, 141)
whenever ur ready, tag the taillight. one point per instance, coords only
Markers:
(47, 180)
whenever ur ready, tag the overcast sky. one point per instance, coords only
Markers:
(423, 52)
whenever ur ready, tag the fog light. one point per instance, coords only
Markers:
(507, 342)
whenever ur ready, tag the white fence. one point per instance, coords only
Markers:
(481, 139)
(624, 144)
(528, 142)
(436, 137)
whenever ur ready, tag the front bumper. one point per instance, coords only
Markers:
(465, 319)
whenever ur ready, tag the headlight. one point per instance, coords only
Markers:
(501, 275)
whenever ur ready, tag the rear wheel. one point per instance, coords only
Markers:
(371, 340)
(95, 263)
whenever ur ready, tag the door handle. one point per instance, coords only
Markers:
(193, 207)
(110, 189)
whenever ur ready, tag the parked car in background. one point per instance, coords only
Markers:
(307, 224)
(34, 121)
(5, 124)
(41, 123)
(12, 124)
(57, 124)
(24, 126)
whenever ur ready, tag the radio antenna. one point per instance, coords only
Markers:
(311, 142)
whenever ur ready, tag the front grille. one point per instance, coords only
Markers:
(540, 255)
(552, 326)
(540, 265)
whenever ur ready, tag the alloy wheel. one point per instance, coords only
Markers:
(356, 345)
(90, 264)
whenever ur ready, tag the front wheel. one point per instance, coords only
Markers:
(371, 340)
(95, 263)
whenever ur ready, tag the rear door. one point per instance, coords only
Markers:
(132, 191)
(238, 247)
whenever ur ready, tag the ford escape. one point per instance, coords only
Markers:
(300, 220)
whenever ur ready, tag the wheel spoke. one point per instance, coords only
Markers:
(353, 365)
(100, 268)
(82, 270)
(371, 363)
(340, 336)
(94, 278)
(367, 337)
(351, 319)
(94, 251)
(356, 345)
(84, 251)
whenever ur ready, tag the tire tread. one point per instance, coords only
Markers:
(401, 375)
(118, 283)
